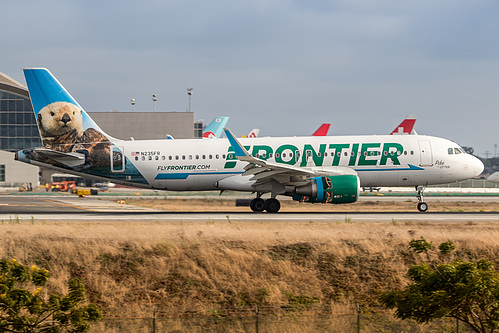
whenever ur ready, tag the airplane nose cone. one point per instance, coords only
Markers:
(476, 167)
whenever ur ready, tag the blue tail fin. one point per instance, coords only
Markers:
(215, 128)
(60, 119)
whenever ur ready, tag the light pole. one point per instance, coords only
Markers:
(154, 99)
(189, 94)
(132, 101)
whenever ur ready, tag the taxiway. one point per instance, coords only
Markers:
(34, 209)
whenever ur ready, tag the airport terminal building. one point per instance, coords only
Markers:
(18, 130)
(146, 125)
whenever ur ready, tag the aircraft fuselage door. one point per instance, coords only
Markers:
(425, 155)
(117, 159)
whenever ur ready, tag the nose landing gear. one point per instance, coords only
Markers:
(422, 206)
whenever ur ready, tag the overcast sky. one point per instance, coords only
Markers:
(282, 66)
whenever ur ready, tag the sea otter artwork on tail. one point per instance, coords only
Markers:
(64, 126)
(59, 118)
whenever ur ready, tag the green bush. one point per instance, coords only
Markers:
(26, 309)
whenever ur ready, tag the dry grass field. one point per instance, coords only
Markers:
(194, 264)
(205, 267)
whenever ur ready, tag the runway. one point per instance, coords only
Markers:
(35, 209)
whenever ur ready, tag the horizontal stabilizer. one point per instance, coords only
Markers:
(69, 159)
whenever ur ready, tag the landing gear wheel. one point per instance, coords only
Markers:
(257, 205)
(422, 207)
(272, 205)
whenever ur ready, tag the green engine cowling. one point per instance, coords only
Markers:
(329, 189)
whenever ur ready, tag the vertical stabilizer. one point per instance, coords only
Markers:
(215, 128)
(60, 119)
(322, 131)
(254, 133)
(406, 126)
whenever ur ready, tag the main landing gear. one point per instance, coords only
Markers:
(271, 205)
(422, 206)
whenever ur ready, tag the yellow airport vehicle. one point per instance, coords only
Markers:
(82, 192)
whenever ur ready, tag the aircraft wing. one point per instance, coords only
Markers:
(264, 171)
(69, 159)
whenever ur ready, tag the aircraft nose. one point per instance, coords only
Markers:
(476, 166)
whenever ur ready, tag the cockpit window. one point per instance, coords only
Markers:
(456, 150)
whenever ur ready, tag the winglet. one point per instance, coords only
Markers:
(243, 155)
(239, 150)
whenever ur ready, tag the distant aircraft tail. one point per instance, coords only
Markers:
(215, 128)
(322, 131)
(254, 133)
(406, 126)
(61, 120)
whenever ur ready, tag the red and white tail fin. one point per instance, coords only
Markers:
(322, 131)
(254, 133)
(406, 126)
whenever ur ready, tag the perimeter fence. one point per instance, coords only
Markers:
(347, 318)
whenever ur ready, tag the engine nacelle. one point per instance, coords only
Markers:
(329, 189)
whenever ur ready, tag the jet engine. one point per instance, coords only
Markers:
(329, 189)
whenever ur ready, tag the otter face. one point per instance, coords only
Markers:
(60, 118)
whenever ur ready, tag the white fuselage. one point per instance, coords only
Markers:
(384, 160)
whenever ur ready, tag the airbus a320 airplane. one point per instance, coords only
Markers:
(321, 169)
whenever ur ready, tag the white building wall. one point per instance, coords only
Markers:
(17, 173)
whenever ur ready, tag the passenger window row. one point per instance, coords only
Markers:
(277, 155)
(181, 157)
(319, 154)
